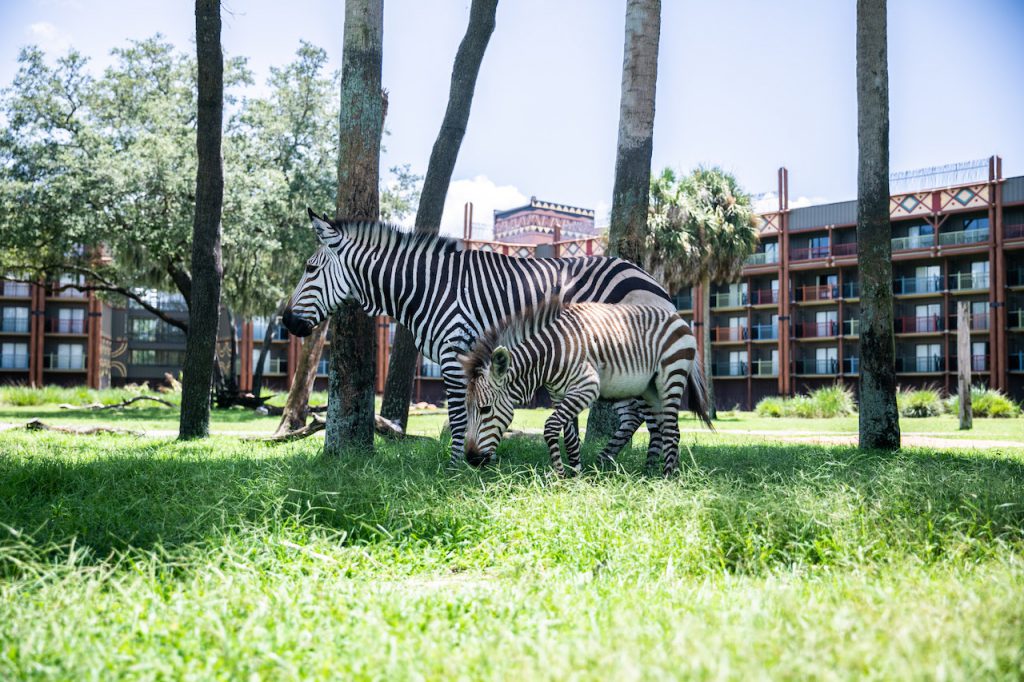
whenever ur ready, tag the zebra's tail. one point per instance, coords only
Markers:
(697, 394)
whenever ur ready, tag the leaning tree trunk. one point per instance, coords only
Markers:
(402, 363)
(350, 383)
(204, 308)
(631, 192)
(879, 418)
(297, 405)
(705, 333)
(268, 338)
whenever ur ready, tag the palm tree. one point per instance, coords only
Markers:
(879, 419)
(701, 229)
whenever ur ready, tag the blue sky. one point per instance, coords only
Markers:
(749, 85)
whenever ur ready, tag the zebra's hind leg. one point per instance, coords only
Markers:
(656, 443)
(629, 412)
(671, 389)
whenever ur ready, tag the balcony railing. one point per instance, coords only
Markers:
(728, 300)
(59, 361)
(14, 325)
(15, 290)
(976, 321)
(963, 237)
(851, 365)
(729, 369)
(851, 327)
(824, 292)
(961, 281)
(809, 253)
(58, 326)
(762, 258)
(917, 285)
(917, 241)
(851, 289)
(1016, 361)
(764, 297)
(812, 366)
(818, 329)
(979, 363)
(1014, 231)
(766, 368)
(1015, 319)
(764, 332)
(847, 249)
(920, 365)
(683, 302)
(729, 334)
(276, 366)
(13, 360)
(918, 325)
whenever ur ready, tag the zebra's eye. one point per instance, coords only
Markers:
(310, 269)
(486, 410)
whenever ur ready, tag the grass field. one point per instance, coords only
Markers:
(147, 558)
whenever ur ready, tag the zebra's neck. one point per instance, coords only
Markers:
(528, 371)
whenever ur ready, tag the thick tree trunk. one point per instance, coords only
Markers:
(204, 307)
(268, 338)
(297, 405)
(705, 332)
(350, 383)
(402, 363)
(879, 418)
(631, 191)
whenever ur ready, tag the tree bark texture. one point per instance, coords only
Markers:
(879, 418)
(350, 383)
(632, 187)
(296, 407)
(963, 374)
(402, 363)
(204, 306)
(705, 332)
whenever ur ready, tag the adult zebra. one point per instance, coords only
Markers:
(445, 296)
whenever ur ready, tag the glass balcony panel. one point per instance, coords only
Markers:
(14, 361)
(963, 237)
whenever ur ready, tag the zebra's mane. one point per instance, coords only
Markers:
(512, 331)
(380, 232)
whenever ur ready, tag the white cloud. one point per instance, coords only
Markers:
(47, 36)
(769, 202)
(486, 197)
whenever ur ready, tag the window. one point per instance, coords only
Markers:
(979, 356)
(818, 247)
(920, 230)
(826, 322)
(927, 279)
(976, 224)
(927, 318)
(979, 275)
(14, 356)
(143, 329)
(70, 321)
(929, 357)
(429, 368)
(737, 363)
(826, 360)
(69, 280)
(771, 252)
(15, 320)
(156, 357)
(143, 357)
(70, 356)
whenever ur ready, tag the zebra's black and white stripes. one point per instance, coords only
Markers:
(445, 296)
(579, 352)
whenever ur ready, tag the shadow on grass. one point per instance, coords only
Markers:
(121, 494)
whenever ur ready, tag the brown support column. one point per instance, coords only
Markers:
(696, 295)
(840, 316)
(95, 324)
(998, 348)
(749, 346)
(245, 352)
(37, 327)
(785, 349)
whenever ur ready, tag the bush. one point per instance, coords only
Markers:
(922, 402)
(831, 401)
(987, 402)
(26, 396)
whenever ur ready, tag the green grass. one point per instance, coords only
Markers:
(222, 559)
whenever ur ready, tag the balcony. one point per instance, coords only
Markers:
(963, 237)
(817, 329)
(762, 258)
(58, 326)
(15, 290)
(14, 325)
(851, 327)
(766, 368)
(979, 363)
(978, 322)
(851, 289)
(724, 334)
(904, 286)
(851, 365)
(917, 241)
(968, 281)
(764, 332)
(846, 249)
(13, 360)
(921, 365)
(683, 302)
(824, 292)
(929, 324)
(817, 367)
(764, 297)
(1016, 361)
(64, 362)
(321, 367)
(276, 367)
(728, 300)
(71, 292)
(809, 253)
(1015, 319)
(729, 369)
(1015, 277)
(1014, 231)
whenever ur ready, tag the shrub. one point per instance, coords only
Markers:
(922, 402)
(772, 406)
(834, 401)
(831, 401)
(26, 396)
(987, 402)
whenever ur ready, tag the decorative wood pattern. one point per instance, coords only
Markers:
(914, 203)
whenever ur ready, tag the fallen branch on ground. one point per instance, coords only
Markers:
(38, 425)
(384, 427)
(115, 406)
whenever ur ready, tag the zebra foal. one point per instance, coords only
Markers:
(579, 352)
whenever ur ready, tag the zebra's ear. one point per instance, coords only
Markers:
(500, 360)
(323, 229)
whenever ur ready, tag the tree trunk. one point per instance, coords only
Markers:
(268, 338)
(350, 383)
(297, 405)
(632, 188)
(204, 307)
(879, 418)
(705, 333)
(402, 363)
(964, 361)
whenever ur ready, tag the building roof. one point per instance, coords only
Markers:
(536, 203)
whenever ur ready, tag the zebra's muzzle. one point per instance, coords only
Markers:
(475, 457)
(296, 325)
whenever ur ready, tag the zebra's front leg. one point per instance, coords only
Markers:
(455, 390)
(656, 441)
(629, 412)
(572, 445)
(567, 409)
